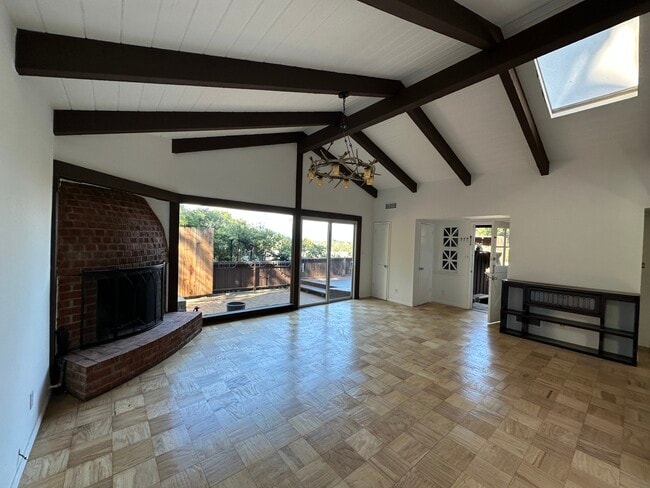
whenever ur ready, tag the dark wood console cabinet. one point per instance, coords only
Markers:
(596, 322)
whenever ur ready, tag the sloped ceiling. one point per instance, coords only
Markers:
(338, 35)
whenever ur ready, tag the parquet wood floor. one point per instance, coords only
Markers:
(357, 394)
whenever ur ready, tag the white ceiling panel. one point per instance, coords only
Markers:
(208, 15)
(405, 144)
(480, 125)
(62, 17)
(338, 35)
(80, 94)
(102, 19)
(502, 12)
(173, 20)
(107, 95)
(139, 21)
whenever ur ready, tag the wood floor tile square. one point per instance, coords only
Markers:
(46, 466)
(365, 443)
(298, 454)
(144, 475)
(222, 466)
(390, 463)
(318, 474)
(343, 459)
(192, 477)
(175, 461)
(90, 472)
(254, 449)
(367, 476)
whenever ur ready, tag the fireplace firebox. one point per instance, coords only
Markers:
(118, 303)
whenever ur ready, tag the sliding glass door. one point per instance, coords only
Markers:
(327, 261)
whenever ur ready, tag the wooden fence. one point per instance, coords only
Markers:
(230, 276)
(195, 258)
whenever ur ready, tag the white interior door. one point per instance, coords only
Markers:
(499, 260)
(381, 246)
(424, 276)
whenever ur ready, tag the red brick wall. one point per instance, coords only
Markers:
(100, 229)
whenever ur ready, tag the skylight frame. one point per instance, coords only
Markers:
(596, 101)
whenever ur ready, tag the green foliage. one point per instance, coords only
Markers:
(236, 239)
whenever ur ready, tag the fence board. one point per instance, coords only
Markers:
(195, 258)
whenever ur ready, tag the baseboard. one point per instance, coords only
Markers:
(450, 304)
(400, 302)
(32, 439)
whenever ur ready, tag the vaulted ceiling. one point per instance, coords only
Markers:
(478, 123)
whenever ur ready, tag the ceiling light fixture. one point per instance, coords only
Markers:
(345, 168)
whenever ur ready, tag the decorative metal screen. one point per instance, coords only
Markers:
(450, 240)
(582, 303)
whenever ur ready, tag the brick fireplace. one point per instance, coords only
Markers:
(100, 229)
(111, 257)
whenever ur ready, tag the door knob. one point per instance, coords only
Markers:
(421, 269)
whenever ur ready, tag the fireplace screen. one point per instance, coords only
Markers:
(121, 302)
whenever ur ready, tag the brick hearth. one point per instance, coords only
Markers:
(93, 371)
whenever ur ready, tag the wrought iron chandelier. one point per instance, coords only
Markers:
(345, 168)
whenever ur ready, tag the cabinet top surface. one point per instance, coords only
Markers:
(571, 288)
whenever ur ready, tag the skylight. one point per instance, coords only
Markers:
(595, 71)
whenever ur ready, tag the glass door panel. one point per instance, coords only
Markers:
(313, 262)
(341, 261)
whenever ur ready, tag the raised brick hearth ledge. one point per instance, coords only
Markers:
(96, 370)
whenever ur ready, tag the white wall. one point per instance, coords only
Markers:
(25, 212)
(580, 226)
(353, 201)
(260, 174)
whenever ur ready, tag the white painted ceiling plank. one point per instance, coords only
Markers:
(293, 16)
(62, 17)
(405, 144)
(151, 96)
(173, 21)
(129, 95)
(52, 90)
(205, 21)
(232, 23)
(139, 21)
(25, 14)
(102, 19)
(262, 21)
(80, 94)
(106, 95)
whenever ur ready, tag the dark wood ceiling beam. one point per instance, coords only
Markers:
(197, 144)
(456, 21)
(443, 16)
(391, 166)
(324, 153)
(78, 122)
(519, 103)
(39, 54)
(582, 20)
(438, 141)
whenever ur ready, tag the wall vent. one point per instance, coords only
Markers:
(391, 205)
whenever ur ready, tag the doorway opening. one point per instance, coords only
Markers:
(327, 261)
(482, 244)
(490, 258)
